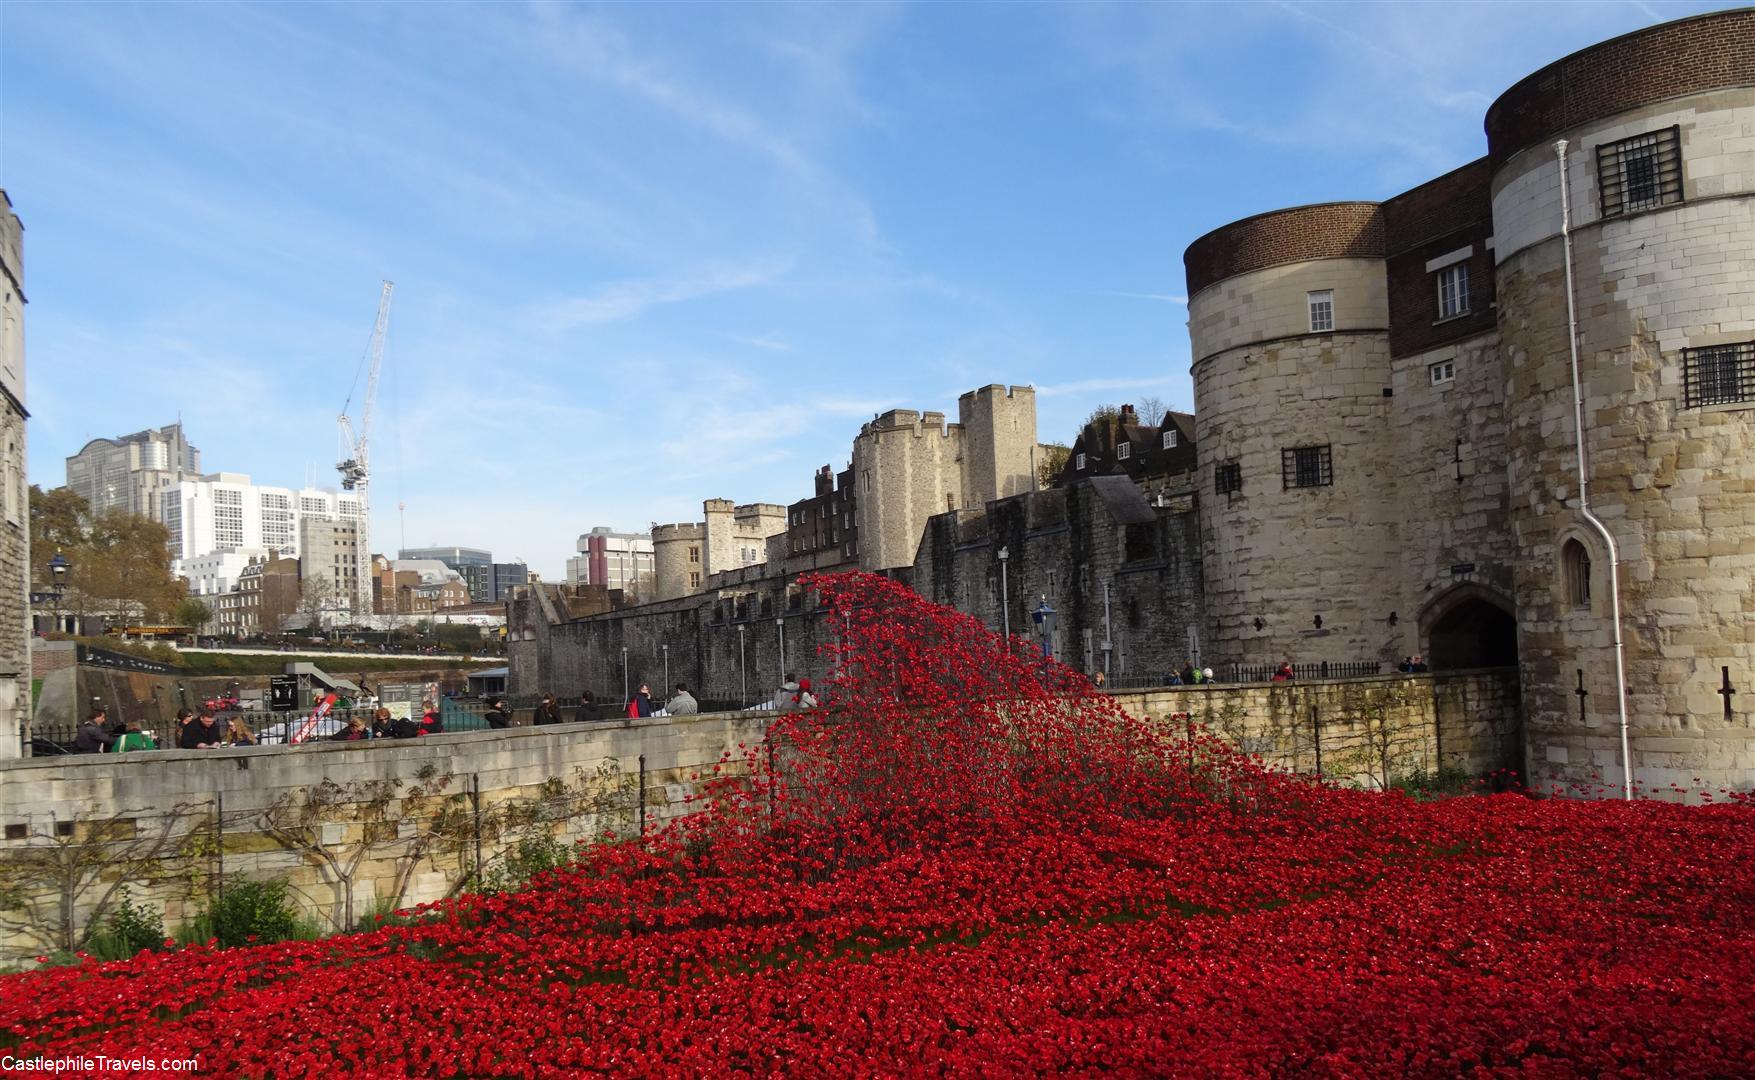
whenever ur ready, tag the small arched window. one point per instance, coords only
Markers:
(1575, 570)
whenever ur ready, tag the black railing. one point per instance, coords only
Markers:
(1326, 669)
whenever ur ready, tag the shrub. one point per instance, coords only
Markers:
(130, 929)
(530, 856)
(254, 911)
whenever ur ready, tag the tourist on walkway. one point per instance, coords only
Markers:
(805, 699)
(641, 703)
(1285, 672)
(1189, 675)
(237, 733)
(94, 735)
(383, 724)
(1419, 667)
(548, 712)
(682, 703)
(202, 733)
(132, 738)
(1097, 680)
(786, 698)
(498, 716)
(354, 731)
(430, 721)
(587, 706)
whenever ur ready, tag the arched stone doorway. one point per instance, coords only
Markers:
(1469, 626)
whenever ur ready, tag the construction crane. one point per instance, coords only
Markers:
(355, 464)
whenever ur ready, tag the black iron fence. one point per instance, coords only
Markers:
(1345, 669)
(259, 728)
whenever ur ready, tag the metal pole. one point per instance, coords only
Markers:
(1316, 732)
(666, 650)
(742, 668)
(642, 798)
(625, 698)
(219, 840)
(1005, 600)
(475, 806)
(780, 623)
(1108, 638)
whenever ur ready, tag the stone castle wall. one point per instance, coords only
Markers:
(910, 466)
(1451, 481)
(444, 794)
(1288, 555)
(1065, 546)
(673, 562)
(1675, 484)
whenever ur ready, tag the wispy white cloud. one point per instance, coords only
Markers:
(1092, 386)
(771, 342)
(629, 299)
(1167, 298)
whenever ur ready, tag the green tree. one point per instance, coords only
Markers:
(1049, 462)
(192, 613)
(57, 527)
(113, 556)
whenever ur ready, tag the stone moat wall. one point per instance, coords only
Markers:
(359, 827)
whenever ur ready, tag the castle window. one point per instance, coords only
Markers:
(1453, 291)
(1322, 311)
(1227, 478)
(1170, 439)
(1575, 569)
(695, 579)
(1124, 451)
(1441, 372)
(1719, 374)
(1079, 463)
(1306, 466)
(694, 554)
(1640, 173)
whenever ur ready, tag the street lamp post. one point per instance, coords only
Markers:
(1005, 603)
(624, 674)
(58, 568)
(1043, 617)
(780, 624)
(1108, 638)
(743, 671)
(666, 649)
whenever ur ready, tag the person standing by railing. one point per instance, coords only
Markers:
(237, 733)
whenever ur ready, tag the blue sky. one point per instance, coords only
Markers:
(650, 254)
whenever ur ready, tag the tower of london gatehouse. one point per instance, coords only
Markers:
(1385, 410)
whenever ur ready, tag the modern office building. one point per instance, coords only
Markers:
(133, 473)
(611, 559)
(475, 566)
(219, 522)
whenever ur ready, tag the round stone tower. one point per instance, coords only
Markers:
(678, 560)
(1288, 317)
(1659, 133)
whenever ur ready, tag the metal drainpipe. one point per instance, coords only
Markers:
(1583, 484)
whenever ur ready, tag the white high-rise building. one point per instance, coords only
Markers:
(131, 473)
(219, 521)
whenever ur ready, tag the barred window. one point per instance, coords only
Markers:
(1227, 478)
(1322, 311)
(1575, 568)
(1640, 173)
(1719, 374)
(1453, 291)
(1306, 466)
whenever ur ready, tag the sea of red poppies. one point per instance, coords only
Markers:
(969, 863)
